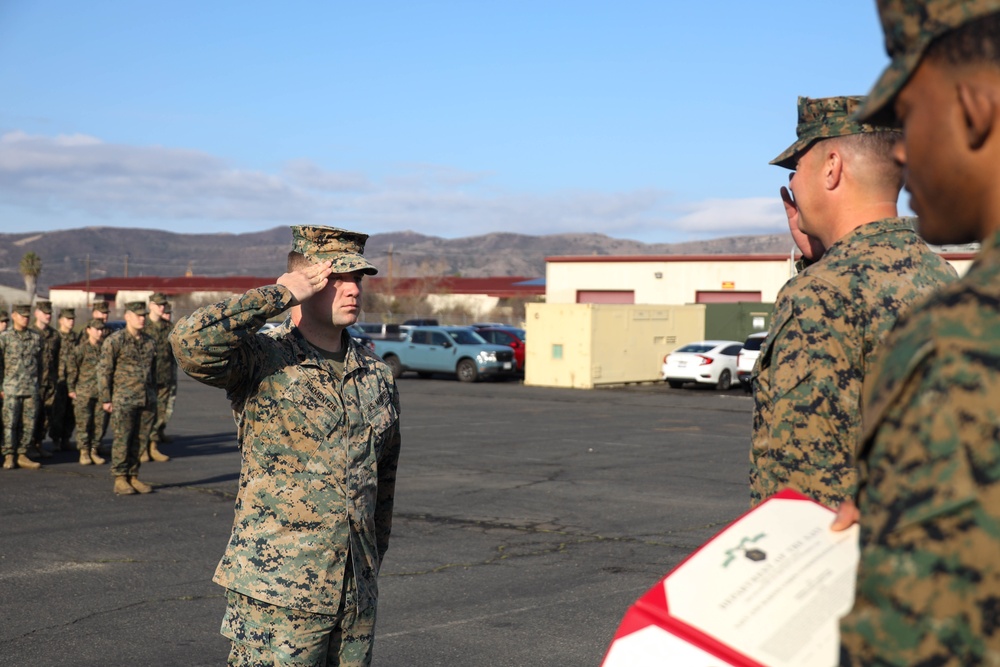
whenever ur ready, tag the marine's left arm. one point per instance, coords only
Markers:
(387, 462)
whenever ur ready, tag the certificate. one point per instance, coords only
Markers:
(769, 590)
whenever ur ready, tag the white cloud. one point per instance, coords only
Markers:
(151, 186)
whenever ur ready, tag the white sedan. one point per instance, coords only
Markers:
(707, 362)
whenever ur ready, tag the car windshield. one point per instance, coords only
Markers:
(753, 344)
(466, 337)
(697, 348)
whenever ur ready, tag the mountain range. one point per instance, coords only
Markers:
(69, 255)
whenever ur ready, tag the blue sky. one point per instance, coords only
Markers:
(650, 120)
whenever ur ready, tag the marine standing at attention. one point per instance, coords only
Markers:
(21, 371)
(928, 586)
(829, 322)
(127, 390)
(82, 384)
(317, 419)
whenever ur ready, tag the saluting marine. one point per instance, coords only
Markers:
(318, 425)
(828, 323)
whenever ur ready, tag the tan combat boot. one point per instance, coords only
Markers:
(141, 487)
(85, 457)
(122, 487)
(144, 456)
(8, 462)
(24, 462)
(156, 454)
(95, 457)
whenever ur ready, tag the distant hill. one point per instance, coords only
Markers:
(109, 250)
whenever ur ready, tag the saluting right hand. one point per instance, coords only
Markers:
(307, 281)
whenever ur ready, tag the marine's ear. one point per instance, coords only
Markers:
(979, 103)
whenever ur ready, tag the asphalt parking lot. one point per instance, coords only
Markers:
(527, 520)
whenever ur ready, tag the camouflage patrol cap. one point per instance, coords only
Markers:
(137, 307)
(4, 317)
(167, 308)
(909, 27)
(158, 298)
(95, 324)
(22, 309)
(345, 248)
(68, 313)
(823, 118)
(44, 306)
(100, 306)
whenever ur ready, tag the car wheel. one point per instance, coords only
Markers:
(466, 371)
(725, 381)
(396, 368)
(675, 384)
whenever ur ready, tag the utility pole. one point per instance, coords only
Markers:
(126, 265)
(87, 264)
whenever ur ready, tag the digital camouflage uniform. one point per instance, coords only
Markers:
(166, 377)
(21, 369)
(928, 588)
(319, 447)
(45, 424)
(63, 418)
(125, 379)
(82, 378)
(827, 324)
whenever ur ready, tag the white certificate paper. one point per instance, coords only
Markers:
(768, 590)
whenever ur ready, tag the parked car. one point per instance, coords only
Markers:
(361, 337)
(380, 330)
(705, 361)
(422, 322)
(456, 350)
(747, 357)
(113, 326)
(512, 337)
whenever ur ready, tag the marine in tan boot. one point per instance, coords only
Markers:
(24, 462)
(141, 487)
(156, 454)
(122, 487)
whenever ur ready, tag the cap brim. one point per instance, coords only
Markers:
(347, 262)
(790, 158)
(877, 108)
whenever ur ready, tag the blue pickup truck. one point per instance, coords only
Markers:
(458, 350)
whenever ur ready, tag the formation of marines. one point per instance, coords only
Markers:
(57, 381)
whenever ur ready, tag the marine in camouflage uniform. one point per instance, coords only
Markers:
(928, 588)
(51, 346)
(127, 390)
(62, 410)
(21, 370)
(82, 384)
(829, 321)
(166, 379)
(317, 420)
(4, 322)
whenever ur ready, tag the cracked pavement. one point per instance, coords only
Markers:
(527, 520)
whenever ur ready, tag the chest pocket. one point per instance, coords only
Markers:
(295, 416)
(381, 415)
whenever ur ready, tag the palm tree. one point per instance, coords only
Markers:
(31, 267)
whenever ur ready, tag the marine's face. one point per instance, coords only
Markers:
(937, 176)
(134, 321)
(155, 310)
(94, 335)
(3, 325)
(43, 319)
(339, 303)
(804, 183)
(66, 323)
(20, 321)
